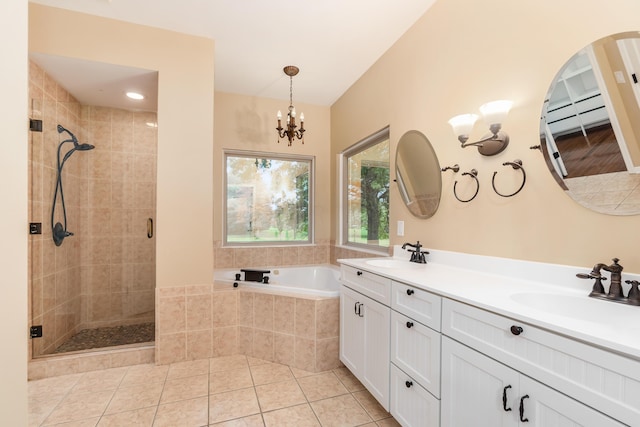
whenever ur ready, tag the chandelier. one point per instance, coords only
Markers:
(290, 131)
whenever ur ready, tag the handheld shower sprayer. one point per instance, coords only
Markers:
(59, 230)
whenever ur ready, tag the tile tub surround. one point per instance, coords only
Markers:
(202, 321)
(225, 391)
(322, 252)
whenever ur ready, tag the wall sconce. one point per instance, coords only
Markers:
(493, 114)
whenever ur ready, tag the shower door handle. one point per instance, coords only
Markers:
(150, 228)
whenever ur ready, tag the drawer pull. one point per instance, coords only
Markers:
(522, 418)
(408, 384)
(359, 273)
(409, 291)
(516, 330)
(504, 398)
(409, 324)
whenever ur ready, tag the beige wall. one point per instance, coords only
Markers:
(248, 123)
(459, 55)
(185, 135)
(13, 170)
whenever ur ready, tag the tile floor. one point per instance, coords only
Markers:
(236, 391)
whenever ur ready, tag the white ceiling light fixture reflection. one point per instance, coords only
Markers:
(135, 95)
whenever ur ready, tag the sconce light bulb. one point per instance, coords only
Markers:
(494, 113)
(463, 124)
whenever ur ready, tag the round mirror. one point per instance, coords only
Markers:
(418, 174)
(590, 125)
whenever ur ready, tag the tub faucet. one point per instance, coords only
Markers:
(416, 254)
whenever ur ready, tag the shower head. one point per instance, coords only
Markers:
(73, 137)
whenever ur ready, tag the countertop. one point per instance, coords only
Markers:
(548, 296)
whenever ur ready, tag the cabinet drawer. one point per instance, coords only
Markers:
(369, 284)
(412, 405)
(416, 303)
(603, 380)
(416, 350)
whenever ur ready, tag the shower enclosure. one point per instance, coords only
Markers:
(93, 192)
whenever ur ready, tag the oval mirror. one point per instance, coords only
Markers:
(590, 125)
(418, 174)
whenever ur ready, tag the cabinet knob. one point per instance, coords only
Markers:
(408, 384)
(409, 291)
(516, 330)
(409, 324)
(359, 273)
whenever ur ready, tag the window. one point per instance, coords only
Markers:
(268, 199)
(365, 192)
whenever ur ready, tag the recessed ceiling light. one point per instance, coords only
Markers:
(135, 95)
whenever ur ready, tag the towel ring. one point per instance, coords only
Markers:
(473, 174)
(516, 164)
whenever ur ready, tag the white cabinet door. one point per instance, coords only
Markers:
(377, 332)
(477, 390)
(544, 407)
(365, 332)
(412, 405)
(416, 350)
(351, 330)
(473, 388)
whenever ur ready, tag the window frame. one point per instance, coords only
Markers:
(370, 141)
(275, 156)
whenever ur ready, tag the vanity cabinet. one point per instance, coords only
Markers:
(415, 356)
(365, 331)
(480, 388)
(506, 359)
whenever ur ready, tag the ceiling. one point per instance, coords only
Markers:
(333, 42)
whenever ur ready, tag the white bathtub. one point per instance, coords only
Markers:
(318, 280)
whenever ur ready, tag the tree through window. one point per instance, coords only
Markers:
(366, 196)
(268, 198)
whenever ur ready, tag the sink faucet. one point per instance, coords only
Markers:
(416, 254)
(615, 289)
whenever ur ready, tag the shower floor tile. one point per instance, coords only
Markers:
(109, 337)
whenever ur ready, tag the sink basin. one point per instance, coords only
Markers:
(394, 263)
(579, 307)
